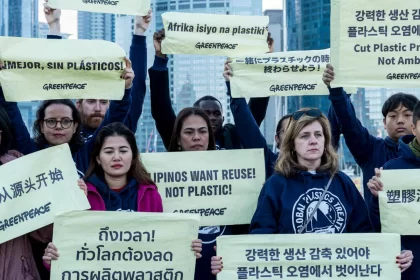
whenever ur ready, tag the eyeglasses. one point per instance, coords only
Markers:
(315, 113)
(65, 123)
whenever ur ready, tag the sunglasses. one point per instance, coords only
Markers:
(315, 113)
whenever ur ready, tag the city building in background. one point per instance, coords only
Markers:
(22, 18)
(96, 26)
(277, 105)
(4, 17)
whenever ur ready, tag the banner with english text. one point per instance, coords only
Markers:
(222, 186)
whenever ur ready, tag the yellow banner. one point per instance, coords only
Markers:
(224, 35)
(375, 43)
(209, 183)
(309, 256)
(128, 7)
(39, 69)
(124, 245)
(283, 74)
(399, 203)
(31, 194)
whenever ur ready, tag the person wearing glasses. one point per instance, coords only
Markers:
(308, 194)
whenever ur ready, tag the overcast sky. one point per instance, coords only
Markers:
(69, 18)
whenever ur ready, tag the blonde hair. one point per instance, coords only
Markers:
(287, 163)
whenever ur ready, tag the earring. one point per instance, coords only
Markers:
(179, 146)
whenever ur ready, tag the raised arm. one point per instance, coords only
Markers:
(162, 111)
(138, 56)
(357, 137)
(246, 126)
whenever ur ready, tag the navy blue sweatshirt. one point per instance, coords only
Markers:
(249, 131)
(369, 152)
(138, 57)
(124, 200)
(285, 204)
(408, 160)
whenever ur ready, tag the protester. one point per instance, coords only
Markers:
(409, 146)
(16, 257)
(117, 180)
(247, 128)
(162, 112)
(93, 110)
(370, 152)
(306, 173)
(193, 132)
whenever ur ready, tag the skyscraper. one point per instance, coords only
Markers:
(96, 26)
(22, 18)
(4, 17)
(276, 107)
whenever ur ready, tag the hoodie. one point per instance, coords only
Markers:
(410, 242)
(284, 205)
(369, 152)
(123, 200)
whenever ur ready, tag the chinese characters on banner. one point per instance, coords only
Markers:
(124, 245)
(400, 201)
(223, 35)
(39, 69)
(309, 256)
(222, 186)
(375, 43)
(30, 198)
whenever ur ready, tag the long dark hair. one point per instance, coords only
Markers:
(76, 140)
(7, 132)
(176, 132)
(137, 169)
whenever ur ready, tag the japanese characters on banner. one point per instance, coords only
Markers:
(222, 186)
(400, 201)
(210, 34)
(375, 43)
(127, 7)
(285, 74)
(39, 69)
(32, 193)
(124, 245)
(309, 256)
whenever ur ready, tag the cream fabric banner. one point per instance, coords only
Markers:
(309, 256)
(375, 43)
(39, 69)
(283, 74)
(399, 202)
(222, 186)
(124, 245)
(127, 7)
(224, 35)
(32, 193)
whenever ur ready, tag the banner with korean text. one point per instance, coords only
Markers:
(309, 256)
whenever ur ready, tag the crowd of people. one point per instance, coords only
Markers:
(100, 134)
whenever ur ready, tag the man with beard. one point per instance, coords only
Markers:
(92, 112)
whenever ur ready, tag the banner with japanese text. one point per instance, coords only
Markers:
(39, 69)
(31, 194)
(211, 34)
(399, 202)
(126, 7)
(284, 74)
(222, 186)
(309, 256)
(375, 43)
(124, 245)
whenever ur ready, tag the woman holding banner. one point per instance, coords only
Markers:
(308, 183)
(117, 180)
